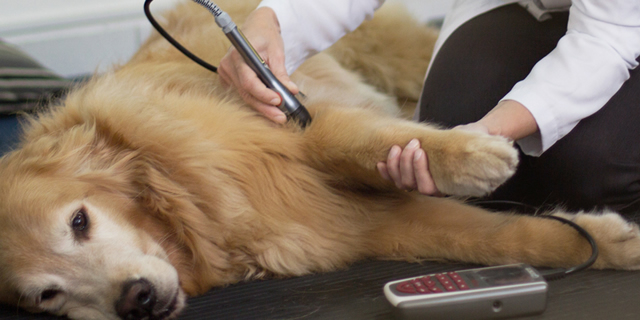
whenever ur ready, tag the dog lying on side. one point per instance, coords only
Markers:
(152, 183)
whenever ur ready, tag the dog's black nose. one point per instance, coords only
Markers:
(137, 300)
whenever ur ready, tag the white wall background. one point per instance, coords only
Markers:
(76, 37)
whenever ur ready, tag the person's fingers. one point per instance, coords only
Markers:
(408, 168)
(382, 169)
(250, 88)
(249, 83)
(424, 181)
(393, 165)
(407, 178)
(269, 111)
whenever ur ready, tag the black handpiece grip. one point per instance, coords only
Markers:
(289, 105)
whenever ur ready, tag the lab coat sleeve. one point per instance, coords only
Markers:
(588, 66)
(310, 26)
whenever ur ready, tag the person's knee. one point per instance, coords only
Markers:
(587, 177)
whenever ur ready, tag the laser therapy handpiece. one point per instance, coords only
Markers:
(289, 105)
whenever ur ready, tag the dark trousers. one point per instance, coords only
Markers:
(596, 165)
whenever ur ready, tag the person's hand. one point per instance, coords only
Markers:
(474, 127)
(408, 168)
(263, 31)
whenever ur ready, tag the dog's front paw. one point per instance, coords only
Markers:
(472, 164)
(618, 240)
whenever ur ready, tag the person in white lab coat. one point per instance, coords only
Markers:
(557, 76)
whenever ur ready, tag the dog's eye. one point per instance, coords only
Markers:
(80, 221)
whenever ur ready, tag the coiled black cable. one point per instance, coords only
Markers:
(555, 274)
(156, 25)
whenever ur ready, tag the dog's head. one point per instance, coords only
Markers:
(72, 241)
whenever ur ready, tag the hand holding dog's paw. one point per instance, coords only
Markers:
(471, 163)
(618, 240)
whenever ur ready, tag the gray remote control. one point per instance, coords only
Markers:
(484, 293)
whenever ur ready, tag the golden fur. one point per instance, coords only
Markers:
(185, 186)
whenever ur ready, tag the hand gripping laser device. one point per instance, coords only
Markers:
(289, 103)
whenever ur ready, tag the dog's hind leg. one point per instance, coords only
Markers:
(391, 51)
(436, 228)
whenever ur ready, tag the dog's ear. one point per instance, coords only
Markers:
(199, 259)
(205, 264)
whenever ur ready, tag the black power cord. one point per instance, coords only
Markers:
(173, 41)
(555, 274)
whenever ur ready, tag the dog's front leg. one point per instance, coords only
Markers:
(352, 141)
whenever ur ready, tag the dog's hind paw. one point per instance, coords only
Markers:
(618, 240)
(472, 164)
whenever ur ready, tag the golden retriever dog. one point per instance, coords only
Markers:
(152, 183)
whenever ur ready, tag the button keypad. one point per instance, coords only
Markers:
(436, 283)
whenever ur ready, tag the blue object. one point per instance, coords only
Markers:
(9, 129)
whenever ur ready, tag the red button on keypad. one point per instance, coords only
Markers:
(451, 287)
(435, 289)
(428, 282)
(418, 284)
(406, 287)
